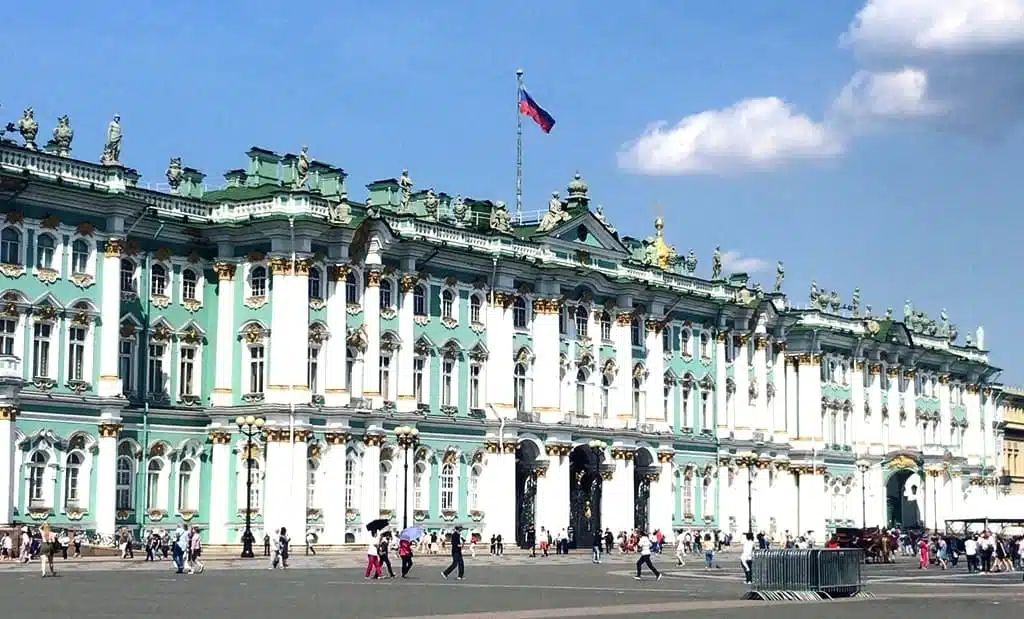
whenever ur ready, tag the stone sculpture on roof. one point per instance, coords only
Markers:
(405, 187)
(302, 168)
(112, 148)
(174, 174)
(28, 128)
(716, 263)
(556, 214)
(63, 134)
(780, 276)
(500, 220)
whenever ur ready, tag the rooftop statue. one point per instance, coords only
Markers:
(888, 313)
(716, 263)
(599, 215)
(460, 211)
(500, 220)
(690, 264)
(556, 214)
(302, 168)
(28, 128)
(835, 302)
(813, 296)
(63, 134)
(908, 310)
(431, 204)
(174, 174)
(372, 210)
(780, 276)
(405, 187)
(112, 148)
(340, 212)
(855, 303)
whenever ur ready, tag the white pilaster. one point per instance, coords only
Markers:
(552, 511)
(370, 491)
(662, 496)
(741, 400)
(812, 504)
(621, 413)
(859, 440)
(654, 411)
(276, 507)
(224, 351)
(945, 411)
(110, 316)
(875, 431)
(371, 359)
(988, 418)
(721, 339)
(106, 470)
(915, 429)
(547, 370)
(792, 394)
(336, 392)
(778, 407)
(406, 392)
(810, 427)
(762, 418)
(289, 333)
(333, 496)
(897, 435)
(220, 464)
(500, 362)
(497, 499)
(10, 389)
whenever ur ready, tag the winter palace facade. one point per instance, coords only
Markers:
(559, 374)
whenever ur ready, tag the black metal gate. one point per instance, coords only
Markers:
(526, 501)
(585, 486)
(642, 500)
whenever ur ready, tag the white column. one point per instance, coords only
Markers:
(552, 511)
(859, 439)
(662, 496)
(370, 492)
(622, 398)
(10, 388)
(915, 430)
(298, 297)
(975, 437)
(809, 379)
(896, 431)
(220, 464)
(762, 417)
(224, 351)
(289, 333)
(811, 493)
(623, 517)
(333, 495)
(792, 395)
(277, 483)
(497, 491)
(371, 320)
(500, 361)
(106, 475)
(110, 316)
(875, 401)
(546, 372)
(991, 458)
(335, 390)
(782, 383)
(406, 332)
(741, 401)
(720, 389)
(654, 411)
(945, 412)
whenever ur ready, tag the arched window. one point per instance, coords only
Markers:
(127, 275)
(419, 481)
(124, 494)
(351, 356)
(636, 331)
(189, 283)
(386, 296)
(37, 478)
(581, 392)
(519, 313)
(666, 340)
(582, 318)
(705, 411)
(474, 309)
(72, 479)
(386, 495)
(474, 487)
(351, 288)
(46, 246)
(687, 496)
(185, 485)
(447, 304)
(10, 246)
(315, 283)
(606, 326)
(638, 394)
(254, 479)
(685, 402)
(158, 280)
(519, 388)
(705, 498)
(606, 388)
(258, 281)
(80, 256)
(419, 300)
(312, 473)
(351, 482)
(668, 405)
(685, 342)
(705, 345)
(153, 472)
(448, 487)
(476, 374)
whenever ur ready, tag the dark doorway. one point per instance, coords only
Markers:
(584, 496)
(903, 498)
(643, 465)
(526, 490)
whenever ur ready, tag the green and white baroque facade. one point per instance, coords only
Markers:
(559, 374)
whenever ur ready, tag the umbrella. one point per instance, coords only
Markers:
(377, 525)
(411, 534)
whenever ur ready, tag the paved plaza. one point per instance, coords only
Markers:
(513, 587)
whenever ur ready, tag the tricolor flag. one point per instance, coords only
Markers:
(539, 115)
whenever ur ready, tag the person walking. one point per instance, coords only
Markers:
(644, 545)
(284, 542)
(195, 549)
(179, 549)
(682, 545)
(747, 557)
(311, 543)
(275, 549)
(385, 558)
(596, 551)
(405, 552)
(373, 558)
(457, 562)
(47, 551)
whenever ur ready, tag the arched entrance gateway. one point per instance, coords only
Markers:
(904, 494)
(643, 466)
(584, 495)
(526, 490)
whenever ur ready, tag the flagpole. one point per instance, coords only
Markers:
(519, 147)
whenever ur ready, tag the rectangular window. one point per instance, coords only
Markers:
(41, 350)
(187, 375)
(418, 369)
(256, 366)
(76, 353)
(156, 368)
(385, 376)
(7, 330)
(312, 369)
(71, 486)
(153, 489)
(447, 378)
(126, 366)
(474, 385)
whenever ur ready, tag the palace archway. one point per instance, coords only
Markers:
(526, 490)
(584, 495)
(643, 465)
(904, 498)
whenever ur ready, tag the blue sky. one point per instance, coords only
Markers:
(889, 158)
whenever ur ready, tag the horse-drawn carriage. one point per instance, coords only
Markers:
(877, 544)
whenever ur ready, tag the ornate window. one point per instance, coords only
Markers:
(351, 356)
(73, 479)
(315, 283)
(189, 285)
(581, 391)
(80, 256)
(257, 368)
(705, 345)
(636, 331)
(419, 380)
(10, 246)
(447, 304)
(384, 373)
(563, 320)
(386, 491)
(313, 368)
(685, 402)
(520, 388)
(606, 388)
(475, 306)
(447, 487)
(705, 410)
(154, 474)
(666, 340)
(258, 281)
(255, 478)
(475, 380)
(42, 339)
(419, 300)
(124, 495)
(158, 280)
(582, 317)
(46, 247)
(352, 482)
(77, 339)
(685, 342)
(687, 494)
(473, 494)
(157, 375)
(352, 295)
(127, 275)
(705, 498)
(312, 475)
(8, 333)
(668, 404)
(447, 381)
(639, 395)
(37, 478)
(386, 294)
(519, 314)
(126, 359)
(185, 482)
(187, 374)
(606, 326)
(419, 482)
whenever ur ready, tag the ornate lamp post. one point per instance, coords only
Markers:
(598, 445)
(408, 438)
(750, 497)
(249, 427)
(863, 468)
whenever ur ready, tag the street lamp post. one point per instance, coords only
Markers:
(750, 498)
(249, 427)
(863, 468)
(408, 437)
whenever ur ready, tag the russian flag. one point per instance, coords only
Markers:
(539, 115)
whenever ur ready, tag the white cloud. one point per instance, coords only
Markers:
(735, 262)
(893, 95)
(755, 133)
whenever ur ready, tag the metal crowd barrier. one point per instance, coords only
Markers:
(806, 574)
